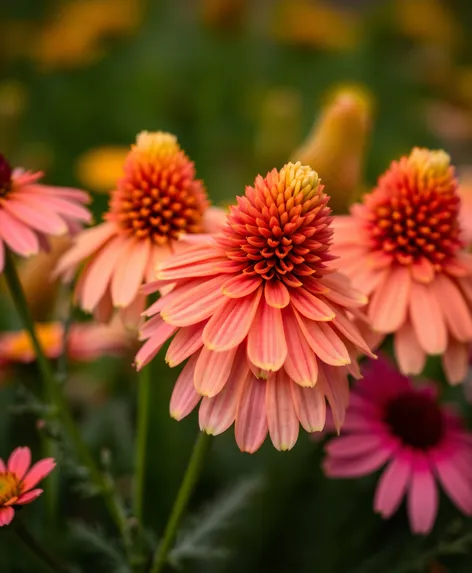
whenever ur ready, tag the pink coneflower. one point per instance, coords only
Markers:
(402, 247)
(30, 211)
(17, 480)
(85, 342)
(156, 202)
(390, 421)
(262, 317)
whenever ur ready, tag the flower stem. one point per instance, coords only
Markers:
(144, 381)
(56, 397)
(36, 548)
(192, 473)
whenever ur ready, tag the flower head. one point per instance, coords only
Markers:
(391, 421)
(262, 317)
(30, 212)
(402, 247)
(155, 203)
(85, 342)
(18, 480)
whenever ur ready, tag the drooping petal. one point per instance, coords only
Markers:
(311, 306)
(353, 445)
(300, 364)
(457, 486)
(310, 406)
(240, 285)
(358, 466)
(455, 310)
(422, 501)
(129, 273)
(422, 270)
(6, 515)
(281, 416)
(392, 485)
(20, 238)
(427, 319)
(185, 343)
(163, 331)
(389, 303)
(251, 418)
(213, 370)
(231, 322)
(29, 496)
(276, 294)
(267, 347)
(184, 396)
(410, 355)
(455, 361)
(39, 471)
(19, 462)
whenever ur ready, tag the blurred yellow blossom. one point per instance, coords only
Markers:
(316, 23)
(336, 145)
(74, 33)
(99, 169)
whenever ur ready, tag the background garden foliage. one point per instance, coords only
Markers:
(240, 83)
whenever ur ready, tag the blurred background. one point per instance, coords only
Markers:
(241, 84)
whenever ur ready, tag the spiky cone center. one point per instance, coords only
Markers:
(280, 229)
(158, 197)
(414, 211)
(5, 176)
(10, 488)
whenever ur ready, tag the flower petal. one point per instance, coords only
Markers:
(184, 396)
(281, 416)
(455, 361)
(162, 332)
(300, 364)
(19, 462)
(310, 406)
(29, 496)
(267, 347)
(240, 285)
(422, 500)
(185, 343)
(39, 471)
(410, 355)
(276, 294)
(389, 303)
(6, 515)
(427, 319)
(129, 273)
(392, 485)
(213, 370)
(456, 312)
(20, 238)
(311, 306)
(457, 486)
(251, 418)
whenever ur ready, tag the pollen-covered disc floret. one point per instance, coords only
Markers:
(158, 196)
(262, 317)
(402, 247)
(156, 205)
(280, 228)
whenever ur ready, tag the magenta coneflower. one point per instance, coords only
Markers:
(30, 211)
(156, 202)
(390, 421)
(402, 247)
(262, 317)
(18, 481)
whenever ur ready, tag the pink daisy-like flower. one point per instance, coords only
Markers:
(262, 317)
(85, 342)
(156, 202)
(30, 211)
(390, 421)
(402, 247)
(18, 480)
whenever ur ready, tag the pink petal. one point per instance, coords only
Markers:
(149, 349)
(422, 497)
(2, 256)
(129, 273)
(267, 347)
(300, 364)
(40, 219)
(353, 445)
(389, 303)
(213, 370)
(276, 294)
(281, 416)
(251, 418)
(19, 462)
(218, 413)
(6, 515)
(332, 381)
(211, 265)
(410, 356)
(158, 254)
(104, 309)
(357, 466)
(29, 496)
(427, 319)
(456, 312)
(20, 238)
(348, 329)
(231, 322)
(342, 292)
(310, 406)
(214, 219)
(311, 306)
(457, 486)
(422, 270)
(69, 209)
(392, 485)
(185, 311)
(131, 315)
(240, 285)
(185, 343)
(39, 471)
(184, 396)
(455, 361)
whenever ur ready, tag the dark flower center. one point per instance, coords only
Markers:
(5, 175)
(416, 419)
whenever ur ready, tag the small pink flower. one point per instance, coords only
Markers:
(391, 422)
(85, 342)
(263, 317)
(156, 202)
(18, 481)
(29, 211)
(403, 248)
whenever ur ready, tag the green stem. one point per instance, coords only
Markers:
(56, 397)
(141, 441)
(35, 548)
(192, 473)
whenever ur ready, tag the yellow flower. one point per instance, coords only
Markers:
(100, 168)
